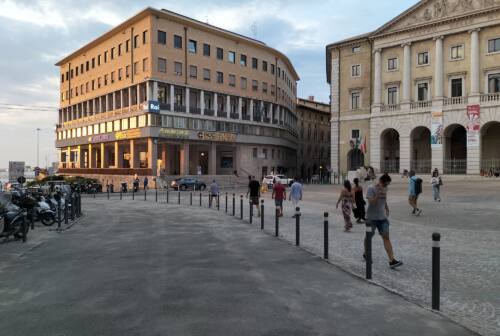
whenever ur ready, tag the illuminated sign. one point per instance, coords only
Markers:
(100, 138)
(152, 106)
(217, 136)
(174, 133)
(130, 134)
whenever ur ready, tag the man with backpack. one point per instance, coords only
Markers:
(414, 190)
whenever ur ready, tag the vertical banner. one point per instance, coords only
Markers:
(437, 129)
(473, 125)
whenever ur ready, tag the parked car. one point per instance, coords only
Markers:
(185, 183)
(269, 180)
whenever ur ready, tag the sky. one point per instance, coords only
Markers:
(35, 34)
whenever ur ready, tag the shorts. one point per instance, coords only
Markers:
(413, 197)
(278, 203)
(254, 200)
(382, 225)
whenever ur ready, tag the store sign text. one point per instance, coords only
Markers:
(217, 136)
(130, 134)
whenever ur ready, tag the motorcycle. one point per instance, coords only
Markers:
(44, 213)
(12, 220)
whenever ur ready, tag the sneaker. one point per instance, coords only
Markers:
(395, 263)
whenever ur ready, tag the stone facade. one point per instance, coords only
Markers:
(421, 92)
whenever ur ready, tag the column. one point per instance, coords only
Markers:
(154, 94)
(79, 161)
(117, 155)
(149, 87)
(172, 97)
(202, 102)
(240, 108)
(164, 158)
(68, 157)
(106, 99)
(129, 98)
(439, 69)
(228, 105)
(270, 113)
(251, 109)
(90, 157)
(121, 99)
(88, 108)
(132, 154)
(153, 156)
(406, 73)
(184, 158)
(216, 105)
(94, 108)
(474, 58)
(377, 86)
(404, 152)
(187, 100)
(103, 155)
(113, 103)
(138, 89)
(212, 159)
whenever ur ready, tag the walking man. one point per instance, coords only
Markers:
(295, 194)
(377, 216)
(254, 191)
(414, 190)
(214, 192)
(279, 194)
(146, 183)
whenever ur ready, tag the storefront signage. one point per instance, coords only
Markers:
(473, 125)
(217, 136)
(100, 138)
(437, 129)
(174, 133)
(152, 106)
(130, 134)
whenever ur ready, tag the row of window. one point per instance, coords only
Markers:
(111, 54)
(105, 80)
(264, 154)
(192, 46)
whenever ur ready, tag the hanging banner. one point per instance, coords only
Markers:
(473, 125)
(437, 129)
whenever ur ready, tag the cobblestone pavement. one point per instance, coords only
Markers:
(141, 268)
(468, 220)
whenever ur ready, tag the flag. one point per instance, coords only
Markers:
(363, 146)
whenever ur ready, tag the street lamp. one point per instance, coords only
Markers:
(38, 147)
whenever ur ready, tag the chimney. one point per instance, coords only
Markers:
(311, 98)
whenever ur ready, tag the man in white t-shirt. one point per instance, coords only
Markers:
(295, 193)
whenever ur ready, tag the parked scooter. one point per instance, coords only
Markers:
(44, 213)
(12, 220)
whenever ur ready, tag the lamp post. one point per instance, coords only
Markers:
(38, 147)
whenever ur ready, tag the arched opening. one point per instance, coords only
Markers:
(490, 147)
(389, 147)
(421, 154)
(355, 159)
(455, 138)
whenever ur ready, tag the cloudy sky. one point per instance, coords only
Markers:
(35, 34)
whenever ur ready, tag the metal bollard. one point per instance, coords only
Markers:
(120, 194)
(326, 235)
(66, 204)
(241, 207)
(277, 222)
(72, 207)
(190, 198)
(200, 199)
(178, 197)
(25, 229)
(226, 202)
(436, 252)
(234, 205)
(368, 250)
(95, 192)
(250, 211)
(167, 195)
(297, 226)
(218, 202)
(209, 200)
(145, 194)
(156, 195)
(59, 214)
(133, 193)
(108, 192)
(262, 214)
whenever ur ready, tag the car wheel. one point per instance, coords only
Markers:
(203, 187)
(183, 187)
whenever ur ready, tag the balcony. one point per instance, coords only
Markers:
(388, 108)
(208, 112)
(221, 114)
(194, 110)
(420, 105)
(275, 121)
(246, 117)
(455, 101)
(164, 106)
(234, 116)
(266, 120)
(179, 108)
(490, 98)
(105, 171)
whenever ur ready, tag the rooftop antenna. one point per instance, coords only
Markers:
(253, 29)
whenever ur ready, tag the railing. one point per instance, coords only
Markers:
(194, 110)
(234, 116)
(208, 112)
(222, 114)
(179, 108)
(275, 121)
(421, 166)
(490, 98)
(106, 171)
(267, 120)
(246, 117)
(420, 105)
(385, 108)
(390, 166)
(164, 106)
(455, 167)
(455, 101)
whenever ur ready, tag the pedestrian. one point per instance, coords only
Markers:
(347, 200)
(295, 193)
(359, 211)
(145, 183)
(414, 190)
(377, 216)
(279, 194)
(214, 192)
(254, 192)
(436, 182)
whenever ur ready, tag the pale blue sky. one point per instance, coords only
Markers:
(35, 34)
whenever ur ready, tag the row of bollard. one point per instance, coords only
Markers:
(368, 237)
(72, 209)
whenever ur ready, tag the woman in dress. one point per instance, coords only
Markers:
(436, 182)
(359, 211)
(347, 199)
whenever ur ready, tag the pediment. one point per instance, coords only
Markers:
(429, 11)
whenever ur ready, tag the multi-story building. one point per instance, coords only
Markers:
(421, 92)
(314, 138)
(165, 94)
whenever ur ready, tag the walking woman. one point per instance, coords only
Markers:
(359, 211)
(347, 199)
(436, 182)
